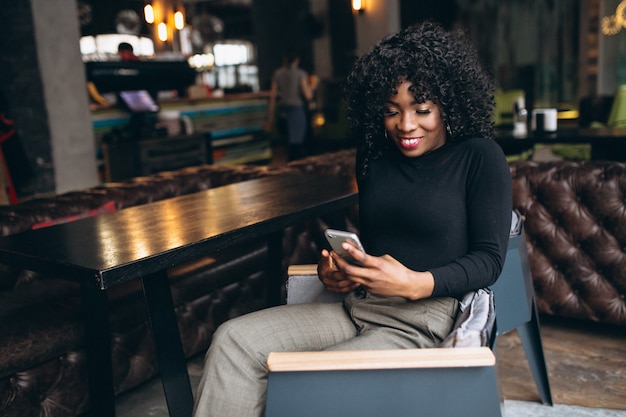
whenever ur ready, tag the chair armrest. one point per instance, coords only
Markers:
(380, 359)
(307, 269)
(303, 286)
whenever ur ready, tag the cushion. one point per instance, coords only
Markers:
(474, 325)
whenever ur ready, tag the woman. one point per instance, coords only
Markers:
(292, 91)
(435, 211)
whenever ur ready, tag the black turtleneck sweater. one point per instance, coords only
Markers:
(447, 212)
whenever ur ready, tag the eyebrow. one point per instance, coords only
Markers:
(413, 103)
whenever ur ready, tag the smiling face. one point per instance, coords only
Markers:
(415, 128)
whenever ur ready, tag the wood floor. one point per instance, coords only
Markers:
(586, 364)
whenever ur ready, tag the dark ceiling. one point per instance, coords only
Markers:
(98, 17)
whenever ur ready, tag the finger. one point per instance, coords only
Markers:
(325, 264)
(355, 252)
(342, 286)
(331, 264)
(339, 262)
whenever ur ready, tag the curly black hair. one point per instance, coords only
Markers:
(442, 66)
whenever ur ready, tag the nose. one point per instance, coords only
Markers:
(407, 122)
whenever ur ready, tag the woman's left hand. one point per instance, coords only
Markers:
(384, 275)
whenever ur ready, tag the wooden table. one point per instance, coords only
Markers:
(142, 242)
(607, 144)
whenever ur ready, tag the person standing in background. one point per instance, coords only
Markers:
(292, 92)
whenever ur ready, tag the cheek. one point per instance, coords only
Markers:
(432, 123)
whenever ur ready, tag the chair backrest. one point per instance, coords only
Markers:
(513, 291)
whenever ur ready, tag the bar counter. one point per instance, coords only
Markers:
(608, 144)
(233, 125)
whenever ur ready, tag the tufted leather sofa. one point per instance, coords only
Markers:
(42, 357)
(576, 236)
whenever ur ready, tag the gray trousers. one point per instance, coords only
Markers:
(296, 123)
(234, 382)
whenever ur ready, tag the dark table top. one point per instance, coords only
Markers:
(109, 249)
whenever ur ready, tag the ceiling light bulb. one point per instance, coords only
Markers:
(148, 13)
(179, 20)
(162, 32)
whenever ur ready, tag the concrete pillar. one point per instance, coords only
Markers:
(43, 89)
(64, 93)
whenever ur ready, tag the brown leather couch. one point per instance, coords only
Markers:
(575, 235)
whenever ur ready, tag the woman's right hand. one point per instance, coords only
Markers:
(333, 279)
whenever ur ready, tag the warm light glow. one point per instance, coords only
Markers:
(108, 43)
(319, 120)
(162, 31)
(611, 25)
(230, 54)
(201, 61)
(357, 5)
(179, 20)
(148, 13)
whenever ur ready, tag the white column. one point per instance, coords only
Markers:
(65, 93)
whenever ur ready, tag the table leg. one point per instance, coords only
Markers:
(274, 269)
(98, 347)
(168, 346)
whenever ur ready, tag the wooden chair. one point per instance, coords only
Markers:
(458, 378)
(410, 382)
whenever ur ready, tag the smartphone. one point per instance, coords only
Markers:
(337, 237)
